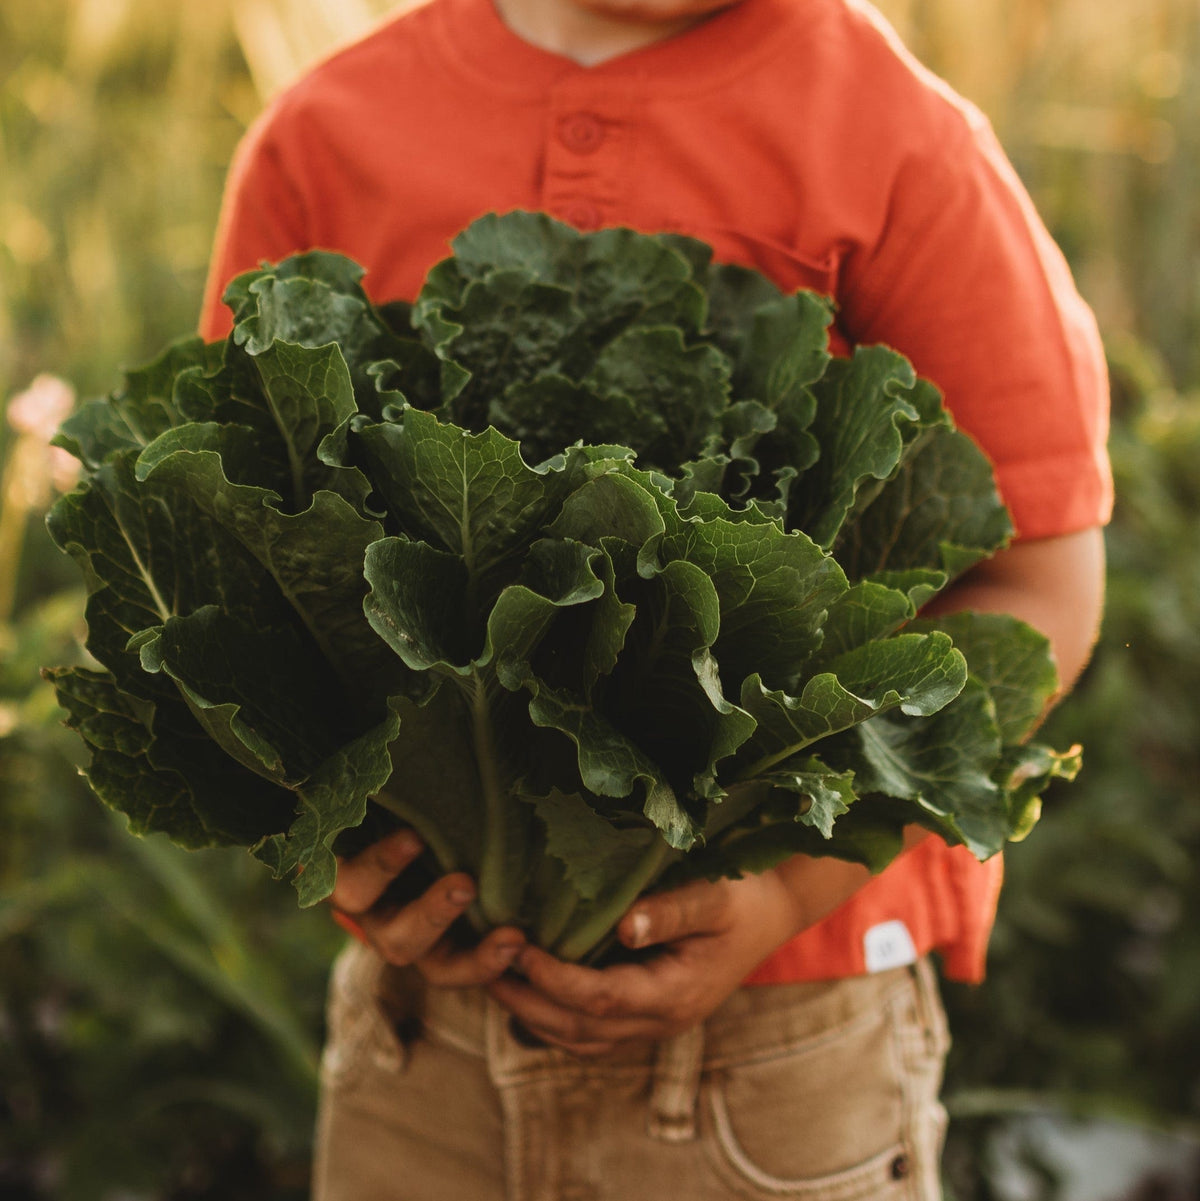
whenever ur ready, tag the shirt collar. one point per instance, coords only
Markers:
(472, 35)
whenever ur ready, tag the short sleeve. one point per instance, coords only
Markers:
(262, 218)
(966, 281)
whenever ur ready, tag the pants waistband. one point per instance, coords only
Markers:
(762, 1020)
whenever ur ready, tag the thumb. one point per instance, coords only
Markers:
(698, 908)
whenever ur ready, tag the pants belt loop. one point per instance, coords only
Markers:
(519, 1129)
(676, 1085)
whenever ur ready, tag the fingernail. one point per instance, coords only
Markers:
(639, 929)
(506, 954)
(461, 896)
(400, 849)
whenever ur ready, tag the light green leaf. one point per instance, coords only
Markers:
(1011, 658)
(863, 403)
(916, 673)
(594, 853)
(942, 764)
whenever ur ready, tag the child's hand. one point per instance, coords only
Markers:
(415, 934)
(711, 937)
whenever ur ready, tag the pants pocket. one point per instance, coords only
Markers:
(846, 1115)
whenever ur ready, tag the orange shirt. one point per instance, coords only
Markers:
(794, 136)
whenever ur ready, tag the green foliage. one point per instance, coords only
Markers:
(293, 540)
(1093, 998)
(116, 126)
(134, 973)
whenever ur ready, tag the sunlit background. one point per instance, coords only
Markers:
(160, 1012)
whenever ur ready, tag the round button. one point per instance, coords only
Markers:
(583, 215)
(581, 133)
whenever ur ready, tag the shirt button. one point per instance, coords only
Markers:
(581, 133)
(583, 215)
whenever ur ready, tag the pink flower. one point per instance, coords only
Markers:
(35, 465)
(42, 407)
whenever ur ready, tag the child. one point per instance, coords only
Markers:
(787, 1039)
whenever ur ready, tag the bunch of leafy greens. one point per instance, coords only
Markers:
(591, 565)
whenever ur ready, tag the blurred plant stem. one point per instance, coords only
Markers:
(31, 471)
(15, 509)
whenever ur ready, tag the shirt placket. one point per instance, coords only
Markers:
(589, 154)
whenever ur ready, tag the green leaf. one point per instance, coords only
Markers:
(334, 270)
(942, 764)
(435, 785)
(151, 762)
(607, 632)
(508, 328)
(825, 795)
(612, 765)
(332, 799)
(618, 277)
(146, 404)
(262, 693)
(558, 575)
(863, 403)
(416, 604)
(619, 511)
(865, 612)
(315, 557)
(785, 351)
(277, 308)
(308, 394)
(941, 511)
(1024, 772)
(773, 588)
(148, 554)
(115, 727)
(665, 692)
(735, 294)
(551, 412)
(916, 673)
(469, 494)
(593, 851)
(1011, 659)
(678, 392)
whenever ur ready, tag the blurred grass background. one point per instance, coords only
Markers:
(160, 1012)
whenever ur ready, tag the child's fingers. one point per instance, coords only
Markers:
(449, 967)
(361, 881)
(575, 1031)
(405, 935)
(700, 907)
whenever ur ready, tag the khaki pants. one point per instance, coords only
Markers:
(826, 1092)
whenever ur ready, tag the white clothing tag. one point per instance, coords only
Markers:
(888, 945)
